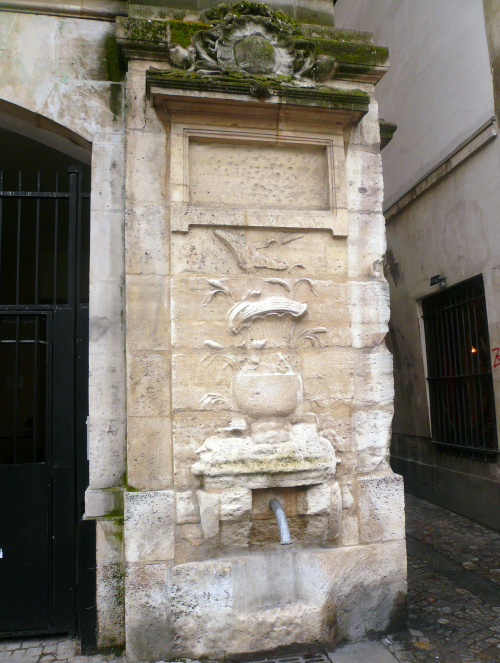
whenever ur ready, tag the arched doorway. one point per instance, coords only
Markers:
(44, 290)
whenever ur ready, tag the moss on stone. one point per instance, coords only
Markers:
(182, 31)
(337, 34)
(115, 99)
(260, 87)
(352, 52)
(115, 63)
(306, 15)
(141, 29)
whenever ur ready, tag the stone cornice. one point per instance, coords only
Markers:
(152, 38)
(103, 10)
(355, 102)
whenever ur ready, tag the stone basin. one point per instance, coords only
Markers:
(267, 394)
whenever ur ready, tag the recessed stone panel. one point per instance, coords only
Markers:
(270, 176)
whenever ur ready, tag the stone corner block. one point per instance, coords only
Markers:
(381, 508)
(103, 503)
(149, 526)
(147, 614)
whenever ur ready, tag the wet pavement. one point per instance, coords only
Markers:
(453, 589)
(453, 600)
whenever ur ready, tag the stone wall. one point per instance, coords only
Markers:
(58, 69)
(256, 311)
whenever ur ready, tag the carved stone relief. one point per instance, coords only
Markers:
(262, 448)
(250, 39)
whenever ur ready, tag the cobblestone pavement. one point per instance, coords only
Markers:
(60, 650)
(453, 593)
(453, 598)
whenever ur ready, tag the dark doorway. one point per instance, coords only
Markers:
(44, 289)
(459, 371)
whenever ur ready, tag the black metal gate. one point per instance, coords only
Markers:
(459, 371)
(44, 237)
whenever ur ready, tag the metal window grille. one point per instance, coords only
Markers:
(40, 272)
(459, 371)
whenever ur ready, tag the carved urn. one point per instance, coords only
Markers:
(267, 394)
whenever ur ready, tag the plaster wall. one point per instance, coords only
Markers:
(439, 87)
(452, 229)
(56, 68)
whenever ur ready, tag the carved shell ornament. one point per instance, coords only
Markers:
(249, 39)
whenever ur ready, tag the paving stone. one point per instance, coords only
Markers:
(362, 652)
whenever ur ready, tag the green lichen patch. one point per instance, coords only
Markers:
(261, 87)
(116, 100)
(352, 52)
(337, 34)
(306, 15)
(387, 131)
(141, 29)
(182, 31)
(115, 63)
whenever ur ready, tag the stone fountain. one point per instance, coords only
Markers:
(256, 315)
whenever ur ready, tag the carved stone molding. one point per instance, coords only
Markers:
(293, 182)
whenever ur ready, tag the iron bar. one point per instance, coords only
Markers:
(16, 388)
(56, 229)
(1, 212)
(18, 248)
(37, 240)
(34, 194)
(35, 392)
(459, 370)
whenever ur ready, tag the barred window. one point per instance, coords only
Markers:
(459, 371)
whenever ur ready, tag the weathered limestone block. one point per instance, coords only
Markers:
(185, 508)
(235, 534)
(99, 503)
(259, 602)
(235, 505)
(147, 305)
(147, 617)
(209, 513)
(335, 512)
(146, 245)
(110, 577)
(373, 378)
(381, 508)
(371, 432)
(364, 180)
(367, 244)
(369, 313)
(107, 463)
(146, 170)
(149, 453)
(316, 501)
(149, 526)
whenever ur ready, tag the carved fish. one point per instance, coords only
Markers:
(242, 313)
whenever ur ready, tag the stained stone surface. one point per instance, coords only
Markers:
(256, 312)
(271, 176)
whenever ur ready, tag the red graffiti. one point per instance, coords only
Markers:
(497, 357)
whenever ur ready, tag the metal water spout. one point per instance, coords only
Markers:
(282, 523)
